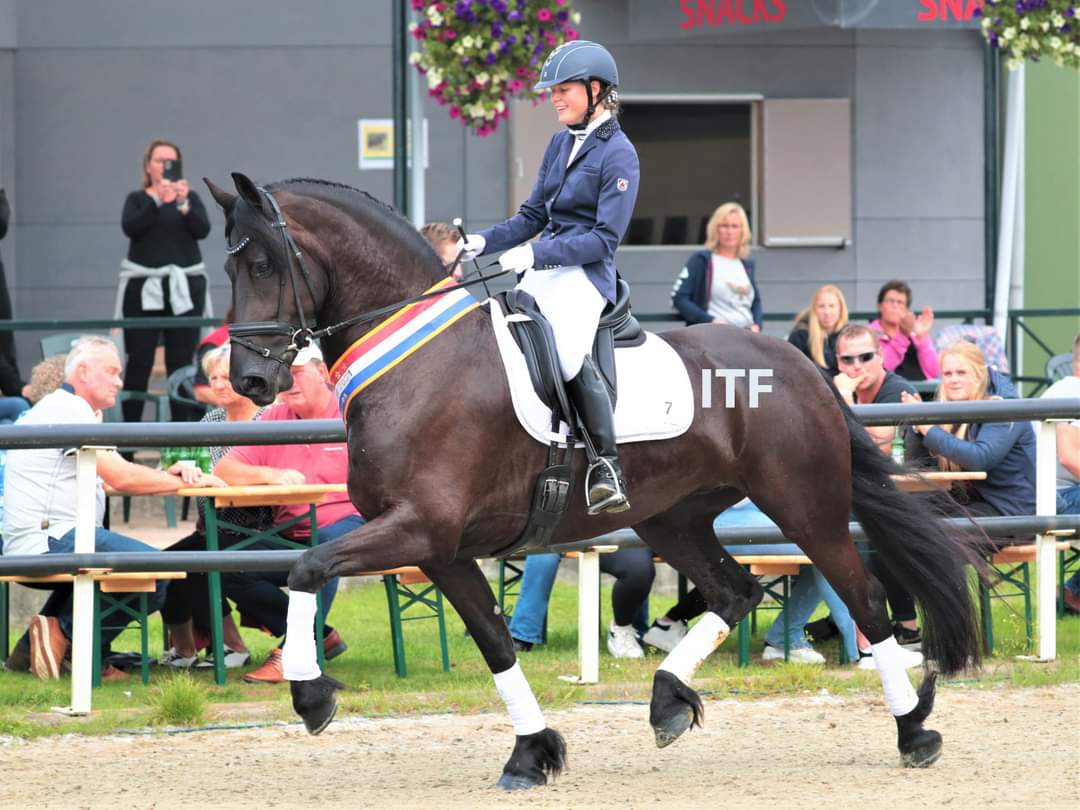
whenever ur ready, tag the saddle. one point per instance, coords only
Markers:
(533, 334)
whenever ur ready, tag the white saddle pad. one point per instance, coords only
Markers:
(656, 400)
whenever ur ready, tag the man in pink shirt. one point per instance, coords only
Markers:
(906, 346)
(258, 595)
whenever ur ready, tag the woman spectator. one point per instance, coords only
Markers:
(1005, 451)
(816, 327)
(717, 284)
(163, 273)
(906, 345)
(187, 600)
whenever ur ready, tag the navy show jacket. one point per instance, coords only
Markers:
(582, 209)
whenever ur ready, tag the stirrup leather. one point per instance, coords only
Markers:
(615, 500)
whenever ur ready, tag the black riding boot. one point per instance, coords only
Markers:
(604, 479)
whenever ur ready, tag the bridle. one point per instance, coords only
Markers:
(298, 338)
(305, 334)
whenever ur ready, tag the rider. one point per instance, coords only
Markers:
(582, 202)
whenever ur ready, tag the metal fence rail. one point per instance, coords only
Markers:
(39, 565)
(314, 431)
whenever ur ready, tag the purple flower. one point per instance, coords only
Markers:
(513, 16)
(511, 39)
(498, 6)
(490, 59)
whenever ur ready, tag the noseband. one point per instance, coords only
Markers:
(298, 338)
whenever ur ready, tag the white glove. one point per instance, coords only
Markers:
(517, 259)
(471, 246)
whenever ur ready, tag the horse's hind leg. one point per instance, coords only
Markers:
(821, 531)
(539, 750)
(684, 537)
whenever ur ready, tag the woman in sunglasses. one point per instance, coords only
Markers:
(816, 327)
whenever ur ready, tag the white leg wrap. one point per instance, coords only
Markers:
(520, 701)
(298, 659)
(900, 695)
(697, 645)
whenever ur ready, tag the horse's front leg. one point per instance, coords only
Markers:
(539, 750)
(397, 537)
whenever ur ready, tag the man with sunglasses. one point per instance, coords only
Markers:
(863, 378)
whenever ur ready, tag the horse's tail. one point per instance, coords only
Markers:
(919, 550)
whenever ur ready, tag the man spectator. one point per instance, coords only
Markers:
(906, 346)
(258, 596)
(1068, 471)
(863, 377)
(40, 492)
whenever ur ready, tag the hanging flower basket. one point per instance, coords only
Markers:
(475, 54)
(1034, 29)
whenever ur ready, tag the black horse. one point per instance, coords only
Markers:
(443, 472)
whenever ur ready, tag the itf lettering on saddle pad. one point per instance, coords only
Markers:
(395, 339)
(656, 400)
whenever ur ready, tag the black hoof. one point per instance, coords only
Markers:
(675, 708)
(315, 701)
(535, 756)
(923, 749)
(919, 747)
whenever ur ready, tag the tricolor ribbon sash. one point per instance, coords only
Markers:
(396, 338)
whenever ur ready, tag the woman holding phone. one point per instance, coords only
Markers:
(163, 274)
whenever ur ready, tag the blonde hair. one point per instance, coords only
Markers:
(149, 153)
(719, 214)
(46, 377)
(975, 361)
(816, 332)
(436, 233)
(214, 357)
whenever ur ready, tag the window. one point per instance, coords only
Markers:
(694, 156)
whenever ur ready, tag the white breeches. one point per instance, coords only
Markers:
(573, 306)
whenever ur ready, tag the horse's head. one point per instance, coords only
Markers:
(278, 285)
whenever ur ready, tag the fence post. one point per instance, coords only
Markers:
(589, 615)
(1045, 544)
(82, 636)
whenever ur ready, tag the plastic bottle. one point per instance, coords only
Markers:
(203, 457)
(897, 447)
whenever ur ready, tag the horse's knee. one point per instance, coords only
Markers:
(307, 573)
(757, 593)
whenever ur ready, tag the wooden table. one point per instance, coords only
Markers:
(934, 480)
(257, 495)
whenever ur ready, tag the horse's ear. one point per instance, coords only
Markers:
(248, 190)
(222, 197)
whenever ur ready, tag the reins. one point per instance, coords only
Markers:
(299, 338)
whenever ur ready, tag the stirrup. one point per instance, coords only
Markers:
(616, 501)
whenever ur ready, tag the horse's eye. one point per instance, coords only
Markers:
(261, 269)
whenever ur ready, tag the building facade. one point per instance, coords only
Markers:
(725, 99)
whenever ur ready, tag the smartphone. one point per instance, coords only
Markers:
(172, 170)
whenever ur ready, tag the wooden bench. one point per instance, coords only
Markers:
(401, 595)
(108, 583)
(1013, 568)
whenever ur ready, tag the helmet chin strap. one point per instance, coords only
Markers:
(593, 102)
